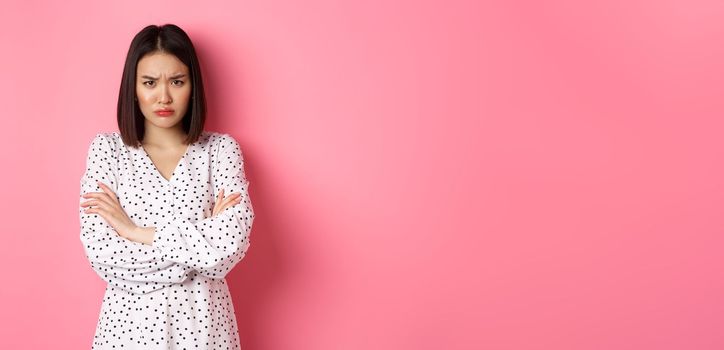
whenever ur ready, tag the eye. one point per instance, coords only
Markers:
(148, 81)
(180, 81)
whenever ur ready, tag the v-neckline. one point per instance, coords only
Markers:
(175, 169)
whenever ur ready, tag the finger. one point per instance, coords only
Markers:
(108, 191)
(231, 203)
(101, 207)
(227, 204)
(231, 196)
(95, 204)
(90, 194)
(91, 209)
(230, 199)
(235, 195)
(101, 196)
(217, 203)
(219, 196)
(96, 210)
(87, 203)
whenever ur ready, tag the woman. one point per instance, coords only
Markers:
(155, 221)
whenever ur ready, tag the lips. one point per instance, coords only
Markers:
(164, 112)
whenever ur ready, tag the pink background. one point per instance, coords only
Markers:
(426, 174)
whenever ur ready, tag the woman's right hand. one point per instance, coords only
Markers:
(107, 205)
(222, 204)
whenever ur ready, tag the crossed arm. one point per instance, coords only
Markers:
(144, 259)
(107, 205)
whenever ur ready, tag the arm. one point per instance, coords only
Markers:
(132, 266)
(213, 246)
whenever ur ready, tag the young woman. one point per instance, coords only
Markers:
(165, 212)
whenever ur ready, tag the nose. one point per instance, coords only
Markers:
(165, 95)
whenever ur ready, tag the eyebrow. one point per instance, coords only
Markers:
(180, 75)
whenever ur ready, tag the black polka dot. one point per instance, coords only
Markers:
(171, 294)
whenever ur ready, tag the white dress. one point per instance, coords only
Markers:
(171, 294)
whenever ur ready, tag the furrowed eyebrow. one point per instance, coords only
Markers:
(171, 77)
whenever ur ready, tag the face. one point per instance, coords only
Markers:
(162, 82)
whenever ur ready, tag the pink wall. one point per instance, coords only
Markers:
(426, 175)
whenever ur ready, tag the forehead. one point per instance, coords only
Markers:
(160, 63)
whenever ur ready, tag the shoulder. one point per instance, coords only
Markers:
(103, 140)
(105, 144)
(223, 142)
(220, 137)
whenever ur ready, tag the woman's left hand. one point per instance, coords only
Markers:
(106, 205)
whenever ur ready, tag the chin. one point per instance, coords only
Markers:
(163, 123)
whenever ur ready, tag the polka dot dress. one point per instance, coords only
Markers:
(171, 294)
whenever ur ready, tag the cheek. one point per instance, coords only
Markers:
(184, 94)
(143, 97)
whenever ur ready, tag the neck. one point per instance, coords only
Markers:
(163, 137)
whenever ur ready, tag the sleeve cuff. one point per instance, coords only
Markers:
(163, 237)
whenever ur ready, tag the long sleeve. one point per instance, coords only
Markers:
(213, 246)
(132, 266)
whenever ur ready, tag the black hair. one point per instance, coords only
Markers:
(170, 39)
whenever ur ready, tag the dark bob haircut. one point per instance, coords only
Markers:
(170, 39)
